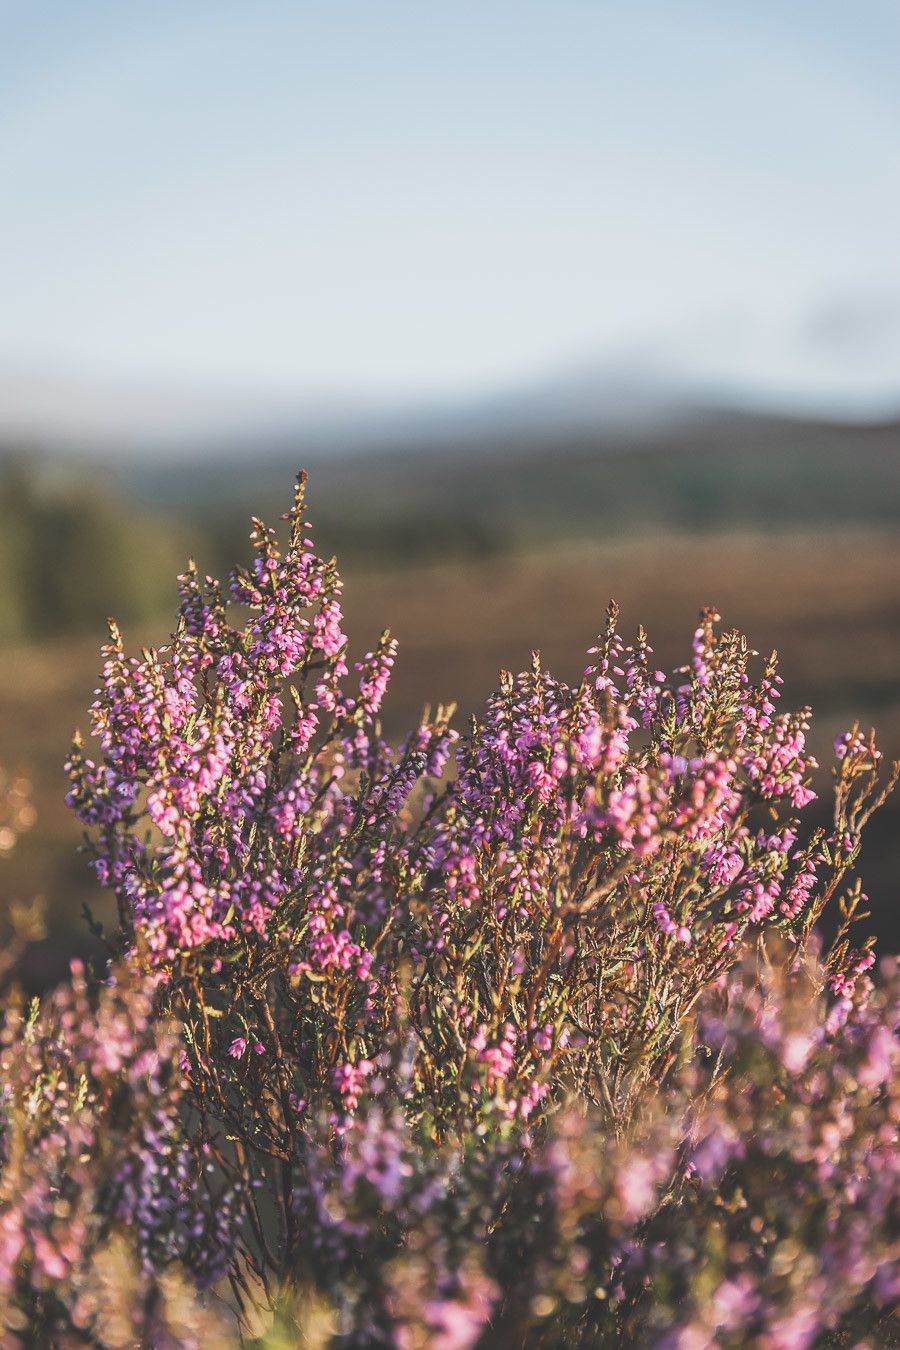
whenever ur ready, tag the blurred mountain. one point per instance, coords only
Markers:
(78, 417)
(71, 415)
(522, 470)
(586, 456)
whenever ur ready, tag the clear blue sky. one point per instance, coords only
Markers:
(407, 199)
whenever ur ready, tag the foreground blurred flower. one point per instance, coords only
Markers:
(17, 813)
(101, 1192)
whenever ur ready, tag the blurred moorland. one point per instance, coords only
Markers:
(473, 550)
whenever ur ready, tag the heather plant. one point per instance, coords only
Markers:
(469, 1048)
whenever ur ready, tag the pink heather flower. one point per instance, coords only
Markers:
(350, 1081)
(795, 1051)
(724, 864)
(636, 1186)
(458, 1323)
(849, 743)
(498, 1058)
(237, 1047)
(543, 1039)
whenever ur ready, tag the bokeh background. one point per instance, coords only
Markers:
(556, 302)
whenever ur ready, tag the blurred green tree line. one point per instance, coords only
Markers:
(78, 544)
(75, 549)
(72, 553)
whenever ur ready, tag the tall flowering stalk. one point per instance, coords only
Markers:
(382, 954)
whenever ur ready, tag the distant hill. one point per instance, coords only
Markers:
(700, 470)
(95, 534)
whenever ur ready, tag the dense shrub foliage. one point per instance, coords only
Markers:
(517, 1038)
